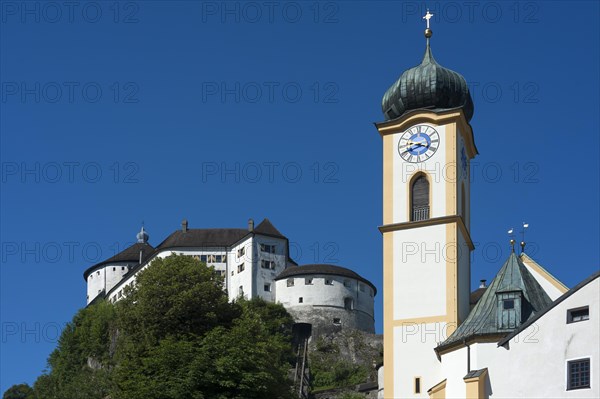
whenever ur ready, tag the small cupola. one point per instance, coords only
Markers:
(142, 236)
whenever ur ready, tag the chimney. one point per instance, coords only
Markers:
(482, 284)
(184, 225)
(250, 224)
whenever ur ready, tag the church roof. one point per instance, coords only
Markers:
(549, 308)
(323, 269)
(130, 254)
(427, 86)
(482, 320)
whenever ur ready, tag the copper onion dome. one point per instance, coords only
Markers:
(427, 86)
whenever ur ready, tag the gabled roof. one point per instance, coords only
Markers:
(266, 227)
(513, 276)
(323, 269)
(549, 308)
(203, 238)
(130, 254)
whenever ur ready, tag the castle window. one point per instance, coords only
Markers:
(328, 281)
(308, 281)
(203, 258)
(267, 248)
(241, 290)
(346, 283)
(578, 374)
(267, 287)
(122, 267)
(300, 300)
(337, 321)
(241, 267)
(419, 198)
(98, 272)
(114, 269)
(232, 272)
(579, 314)
(362, 287)
(267, 264)
(241, 252)
(290, 282)
(509, 309)
(348, 303)
(417, 384)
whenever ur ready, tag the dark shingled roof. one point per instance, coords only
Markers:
(130, 254)
(203, 238)
(554, 304)
(267, 228)
(513, 276)
(323, 269)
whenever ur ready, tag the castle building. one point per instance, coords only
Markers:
(254, 263)
(524, 335)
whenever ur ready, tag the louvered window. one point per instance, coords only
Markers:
(420, 199)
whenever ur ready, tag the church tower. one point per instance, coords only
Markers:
(427, 145)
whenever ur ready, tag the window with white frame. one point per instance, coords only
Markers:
(241, 267)
(328, 281)
(308, 281)
(290, 282)
(241, 252)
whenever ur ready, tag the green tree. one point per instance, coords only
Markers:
(20, 391)
(174, 296)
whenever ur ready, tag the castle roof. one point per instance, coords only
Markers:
(482, 320)
(323, 269)
(130, 254)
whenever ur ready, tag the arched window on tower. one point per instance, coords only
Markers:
(419, 198)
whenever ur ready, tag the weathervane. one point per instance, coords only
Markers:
(525, 226)
(512, 238)
(428, 32)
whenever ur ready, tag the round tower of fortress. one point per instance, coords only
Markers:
(329, 298)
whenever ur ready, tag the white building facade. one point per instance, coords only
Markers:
(254, 263)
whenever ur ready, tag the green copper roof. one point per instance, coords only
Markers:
(513, 277)
(427, 86)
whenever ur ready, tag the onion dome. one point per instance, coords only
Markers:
(427, 86)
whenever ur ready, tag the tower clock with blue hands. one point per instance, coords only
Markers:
(418, 143)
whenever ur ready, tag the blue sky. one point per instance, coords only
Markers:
(118, 113)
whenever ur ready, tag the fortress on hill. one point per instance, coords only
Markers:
(254, 262)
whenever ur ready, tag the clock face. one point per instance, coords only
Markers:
(418, 143)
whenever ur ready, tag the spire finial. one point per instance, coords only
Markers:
(428, 31)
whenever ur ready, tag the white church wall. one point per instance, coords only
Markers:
(454, 366)
(423, 247)
(535, 366)
(552, 291)
(411, 340)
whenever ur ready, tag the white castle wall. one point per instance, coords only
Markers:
(322, 303)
